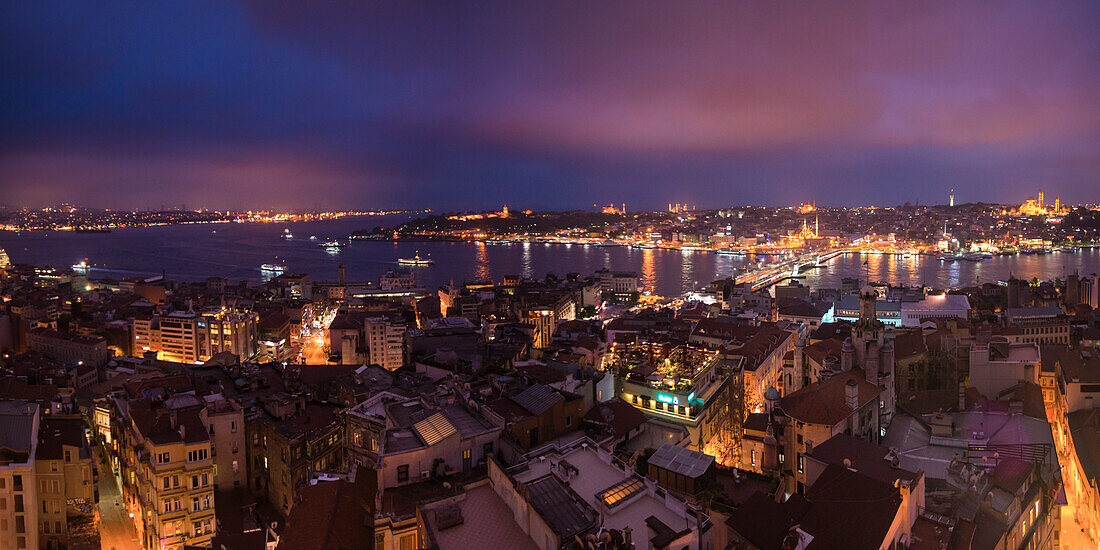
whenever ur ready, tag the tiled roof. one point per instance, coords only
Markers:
(849, 510)
(621, 416)
(537, 398)
(824, 402)
(336, 514)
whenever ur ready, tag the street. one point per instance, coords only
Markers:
(116, 529)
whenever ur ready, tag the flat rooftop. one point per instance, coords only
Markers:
(594, 476)
(486, 523)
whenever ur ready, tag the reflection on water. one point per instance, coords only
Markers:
(237, 250)
(482, 271)
(649, 270)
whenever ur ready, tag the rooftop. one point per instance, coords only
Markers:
(595, 475)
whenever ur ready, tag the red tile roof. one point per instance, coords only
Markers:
(621, 416)
(824, 403)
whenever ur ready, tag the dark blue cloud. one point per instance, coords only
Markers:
(545, 105)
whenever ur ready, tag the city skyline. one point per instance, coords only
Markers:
(550, 107)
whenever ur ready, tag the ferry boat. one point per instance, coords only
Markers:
(497, 241)
(1070, 249)
(277, 269)
(973, 257)
(607, 242)
(416, 261)
(81, 267)
(332, 244)
(946, 257)
(730, 252)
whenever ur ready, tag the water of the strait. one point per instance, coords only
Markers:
(236, 251)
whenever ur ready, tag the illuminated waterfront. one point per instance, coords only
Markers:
(237, 250)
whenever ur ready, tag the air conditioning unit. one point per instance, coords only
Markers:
(424, 474)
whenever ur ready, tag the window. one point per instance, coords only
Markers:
(68, 455)
(57, 527)
(194, 482)
(162, 458)
(801, 463)
(487, 449)
(18, 503)
(233, 426)
(167, 482)
(408, 542)
(195, 504)
(46, 527)
(236, 468)
(205, 480)
(403, 473)
(466, 454)
(17, 483)
(196, 455)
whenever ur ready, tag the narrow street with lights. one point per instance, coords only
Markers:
(116, 528)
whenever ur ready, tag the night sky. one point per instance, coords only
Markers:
(554, 104)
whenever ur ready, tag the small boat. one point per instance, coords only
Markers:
(1070, 249)
(213, 231)
(416, 260)
(92, 230)
(972, 257)
(313, 237)
(946, 257)
(332, 244)
(287, 234)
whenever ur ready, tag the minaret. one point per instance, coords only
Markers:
(951, 198)
(817, 226)
(1041, 203)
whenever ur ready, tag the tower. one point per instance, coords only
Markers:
(867, 304)
(504, 211)
(817, 226)
(1041, 203)
(951, 198)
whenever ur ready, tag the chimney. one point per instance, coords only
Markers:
(851, 394)
(626, 539)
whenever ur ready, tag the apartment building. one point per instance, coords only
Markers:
(70, 349)
(385, 341)
(289, 441)
(188, 337)
(167, 467)
(224, 420)
(18, 487)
